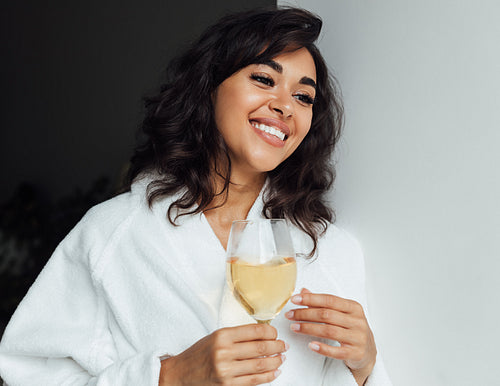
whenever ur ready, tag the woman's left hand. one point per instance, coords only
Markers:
(343, 320)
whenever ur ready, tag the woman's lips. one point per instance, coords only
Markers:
(276, 123)
(269, 130)
(272, 131)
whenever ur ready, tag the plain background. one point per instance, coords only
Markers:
(418, 183)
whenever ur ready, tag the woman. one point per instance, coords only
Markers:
(244, 127)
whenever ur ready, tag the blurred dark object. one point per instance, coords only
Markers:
(31, 227)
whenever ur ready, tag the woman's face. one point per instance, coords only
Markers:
(264, 111)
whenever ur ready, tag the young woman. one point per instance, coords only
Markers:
(244, 127)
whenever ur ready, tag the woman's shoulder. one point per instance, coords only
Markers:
(340, 239)
(108, 215)
(340, 257)
(333, 238)
(338, 249)
(103, 224)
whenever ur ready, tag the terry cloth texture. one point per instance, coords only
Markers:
(126, 287)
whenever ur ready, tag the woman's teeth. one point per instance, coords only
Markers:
(269, 129)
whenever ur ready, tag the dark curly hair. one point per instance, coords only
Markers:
(182, 144)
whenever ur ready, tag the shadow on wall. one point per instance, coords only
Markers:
(31, 227)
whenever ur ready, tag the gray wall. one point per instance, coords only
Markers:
(72, 76)
(418, 177)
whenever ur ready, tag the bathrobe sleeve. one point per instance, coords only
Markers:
(59, 334)
(345, 264)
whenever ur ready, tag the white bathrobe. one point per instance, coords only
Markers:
(126, 287)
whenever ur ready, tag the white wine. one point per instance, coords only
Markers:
(263, 289)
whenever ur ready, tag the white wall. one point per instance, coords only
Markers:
(418, 181)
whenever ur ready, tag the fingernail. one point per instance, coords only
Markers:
(289, 314)
(297, 299)
(277, 373)
(287, 346)
(314, 346)
(283, 358)
(295, 327)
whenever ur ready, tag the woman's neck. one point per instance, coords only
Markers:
(234, 204)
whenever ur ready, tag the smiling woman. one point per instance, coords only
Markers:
(264, 112)
(273, 54)
(243, 128)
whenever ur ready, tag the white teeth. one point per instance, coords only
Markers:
(269, 129)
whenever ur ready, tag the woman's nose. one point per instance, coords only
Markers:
(282, 105)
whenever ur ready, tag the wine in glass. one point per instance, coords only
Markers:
(260, 266)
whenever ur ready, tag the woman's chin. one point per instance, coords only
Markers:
(255, 168)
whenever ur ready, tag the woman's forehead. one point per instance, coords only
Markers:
(299, 61)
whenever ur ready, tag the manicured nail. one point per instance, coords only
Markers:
(287, 346)
(295, 327)
(289, 314)
(297, 299)
(283, 358)
(277, 373)
(314, 346)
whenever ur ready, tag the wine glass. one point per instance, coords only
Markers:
(260, 266)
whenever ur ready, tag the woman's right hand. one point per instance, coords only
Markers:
(243, 355)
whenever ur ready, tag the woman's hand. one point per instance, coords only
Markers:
(342, 320)
(243, 355)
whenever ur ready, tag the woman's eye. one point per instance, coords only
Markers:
(263, 79)
(304, 98)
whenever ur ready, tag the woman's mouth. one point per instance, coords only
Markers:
(270, 130)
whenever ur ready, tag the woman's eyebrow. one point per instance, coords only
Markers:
(274, 65)
(308, 81)
(279, 69)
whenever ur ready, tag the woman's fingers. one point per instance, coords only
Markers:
(251, 332)
(342, 320)
(257, 365)
(327, 301)
(261, 348)
(256, 379)
(322, 315)
(337, 352)
(326, 331)
(244, 355)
